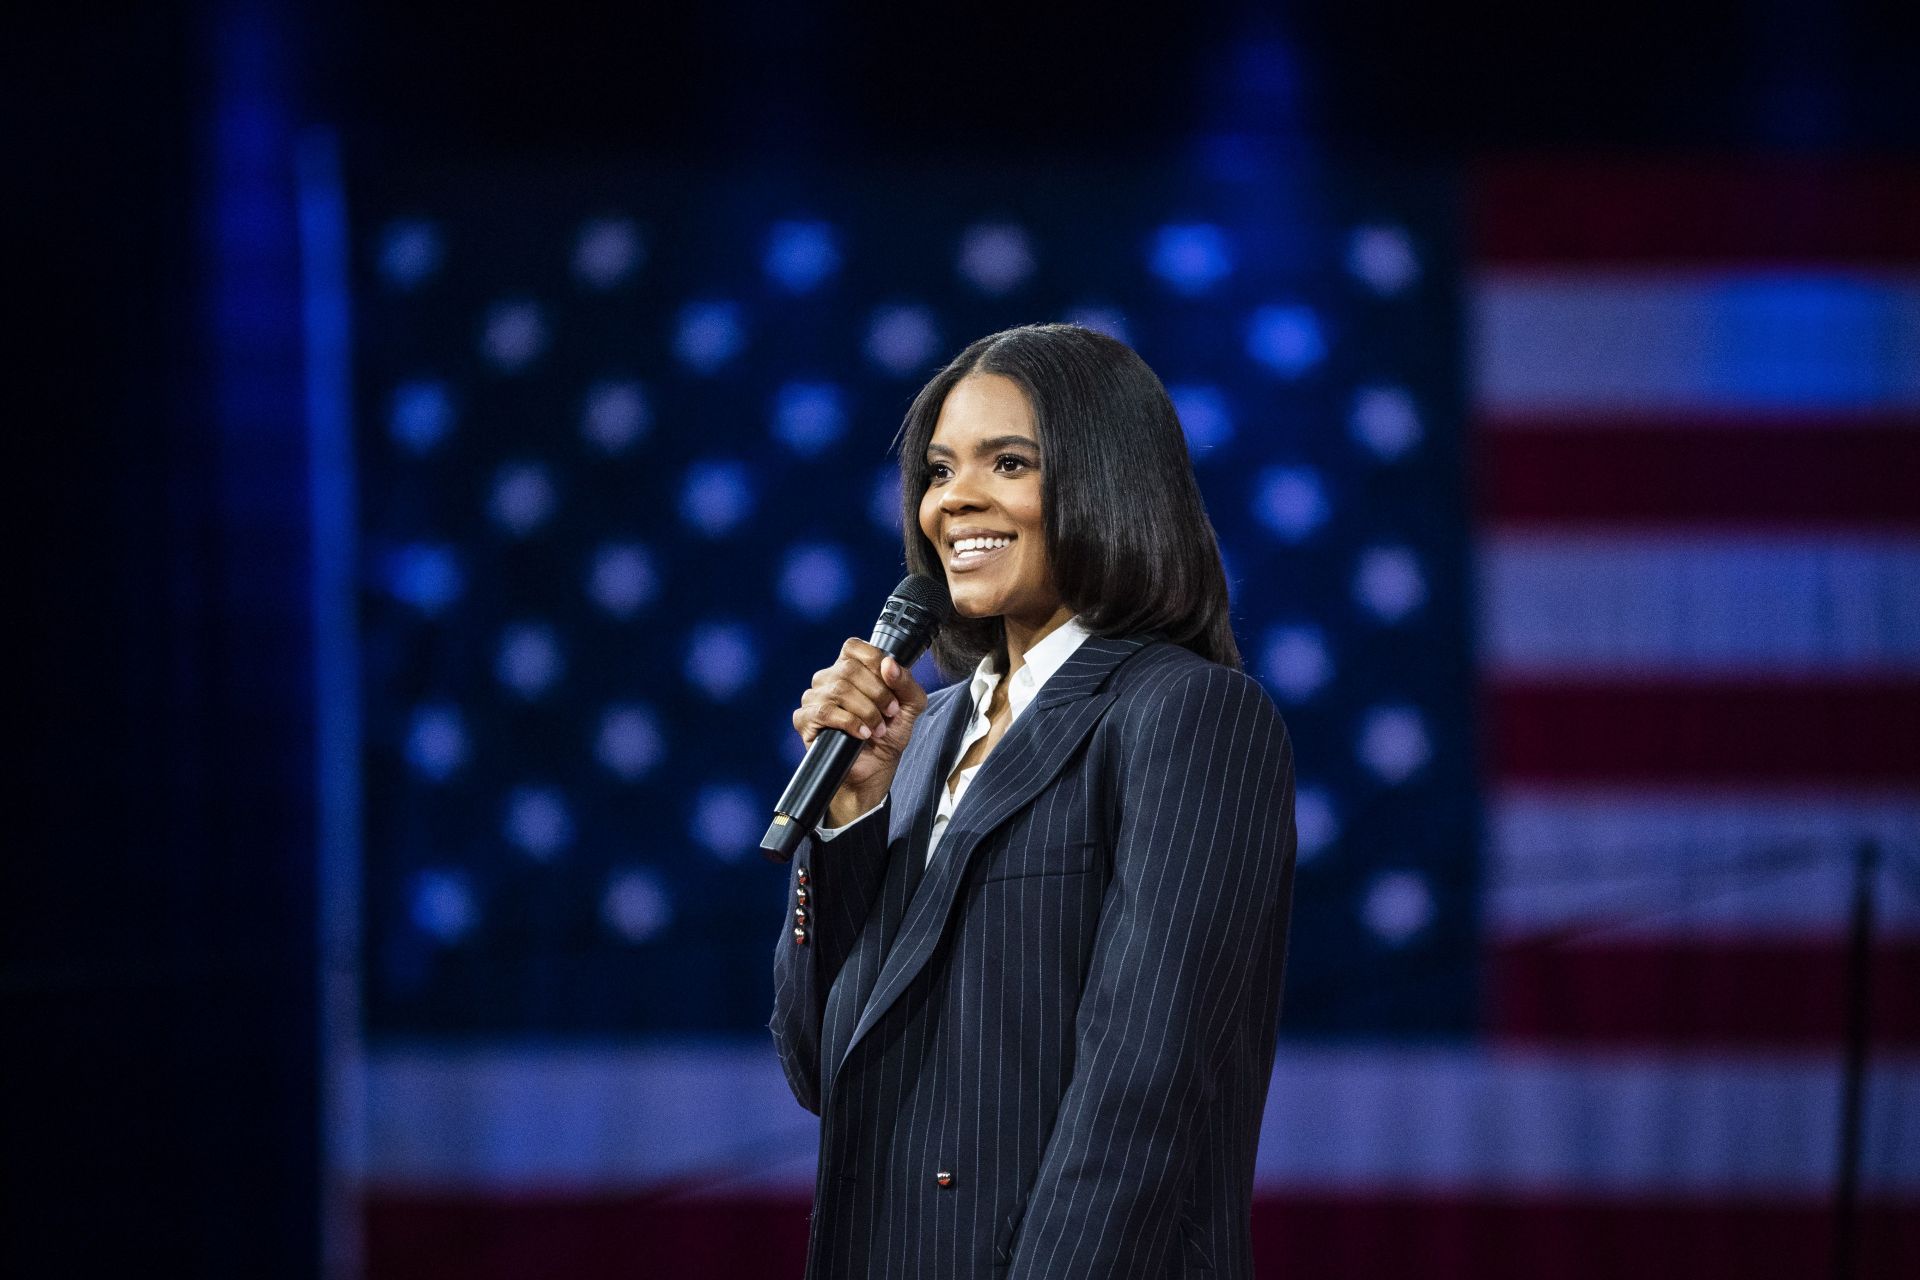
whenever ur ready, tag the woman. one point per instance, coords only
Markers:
(1031, 979)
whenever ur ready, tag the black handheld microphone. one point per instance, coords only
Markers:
(918, 607)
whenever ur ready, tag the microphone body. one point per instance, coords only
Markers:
(907, 623)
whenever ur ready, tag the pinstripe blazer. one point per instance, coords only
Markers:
(1047, 1054)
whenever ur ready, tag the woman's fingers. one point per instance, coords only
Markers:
(861, 663)
(856, 688)
(849, 695)
(829, 715)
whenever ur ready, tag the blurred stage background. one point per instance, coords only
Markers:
(466, 437)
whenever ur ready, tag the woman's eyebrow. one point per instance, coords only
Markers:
(985, 446)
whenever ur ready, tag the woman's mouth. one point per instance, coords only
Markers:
(971, 553)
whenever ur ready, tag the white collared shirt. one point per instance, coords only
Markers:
(1042, 661)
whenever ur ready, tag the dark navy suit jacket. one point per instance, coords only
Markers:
(1047, 1054)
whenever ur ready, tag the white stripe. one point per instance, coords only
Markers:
(1647, 604)
(717, 1120)
(558, 1118)
(1615, 865)
(1450, 1122)
(1571, 342)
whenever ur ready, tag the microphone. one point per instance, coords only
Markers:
(918, 607)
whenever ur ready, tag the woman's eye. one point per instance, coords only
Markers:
(1010, 462)
(936, 471)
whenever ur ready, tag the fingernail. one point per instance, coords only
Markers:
(893, 708)
(865, 732)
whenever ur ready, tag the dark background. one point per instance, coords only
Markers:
(159, 956)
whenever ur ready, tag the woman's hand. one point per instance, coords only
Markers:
(875, 699)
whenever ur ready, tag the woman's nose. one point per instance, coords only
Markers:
(958, 496)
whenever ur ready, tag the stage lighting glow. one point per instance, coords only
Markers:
(996, 257)
(529, 660)
(1316, 824)
(883, 501)
(442, 904)
(1393, 743)
(1383, 258)
(815, 580)
(410, 251)
(801, 255)
(523, 497)
(607, 251)
(809, 417)
(1389, 583)
(623, 580)
(421, 416)
(1386, 421)
(1204, 416)
(1286, 338)
(514, 335)
(727, 820)
(538, 822)
(1291, 501)
(425, 575)
(900, 339)
(721, 659)
(709, 335)
(1398, 907)
(716, 496)
(637, 905)
(437, 742)
(1296, 662)
(1191, 257)
(615, 416)
(629, 743)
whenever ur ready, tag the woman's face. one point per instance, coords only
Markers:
(982, 508)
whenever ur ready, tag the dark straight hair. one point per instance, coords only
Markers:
(1127, 535)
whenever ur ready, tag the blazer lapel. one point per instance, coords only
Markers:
(1029, 757)
(916, 791)
(910, 827)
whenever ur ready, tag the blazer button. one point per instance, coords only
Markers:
(944, 1178)
(800, 895)
(799, 915)
(799, 936)
(800, 874)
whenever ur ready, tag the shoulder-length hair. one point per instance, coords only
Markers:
(1127, 535)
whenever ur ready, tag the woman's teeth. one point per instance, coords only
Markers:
(980, 544)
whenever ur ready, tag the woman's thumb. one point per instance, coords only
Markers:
(900, 679)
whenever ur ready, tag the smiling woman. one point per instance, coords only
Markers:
(1030, 979)
(983, 509)
(1126, 540)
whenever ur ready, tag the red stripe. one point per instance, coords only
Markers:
(1558, 214)
(1513, 1239)
(1707, 994)
(584, 1236)
(419, 1237)
(1705, 732)
(1684, 474)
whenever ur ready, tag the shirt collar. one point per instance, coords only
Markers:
(1042, 661)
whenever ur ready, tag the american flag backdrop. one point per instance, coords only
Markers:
(1571, 518)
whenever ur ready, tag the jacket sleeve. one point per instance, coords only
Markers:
(830, 889)
(1195, 915)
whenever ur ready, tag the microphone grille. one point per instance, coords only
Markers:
(927, 592)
